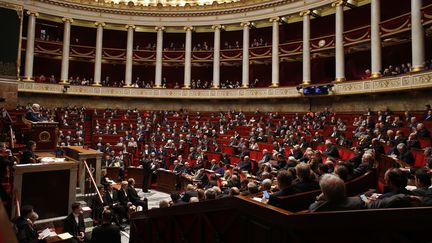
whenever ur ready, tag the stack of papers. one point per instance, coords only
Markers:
(51, 159)
(46, 233)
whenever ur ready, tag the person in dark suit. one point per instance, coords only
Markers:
(214, 165)
(305, 181)
(177, 166)
(133, 195)
(112, 200)
(26, 232)
(396, 182)
(147, 173)
(6, 161)
(404, 154)
(245, 164)
(413, 142)
(106, 232)
(97, 205)
(29, 156)
(333, 196)
(422, 132)
(331, 150)
(34, 115)
(365, 165)
(284, 179)
(74, 223)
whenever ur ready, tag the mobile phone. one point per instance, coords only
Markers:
(363, 197)
(266, 194)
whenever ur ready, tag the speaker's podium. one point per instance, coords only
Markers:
(45, 134)
(50, 187)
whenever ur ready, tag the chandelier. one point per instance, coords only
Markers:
(168, 2)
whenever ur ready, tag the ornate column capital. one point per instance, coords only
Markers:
(162, 28)
(218, 26)
(34, 13)
(130, 26)
(338, 3)
(275, 19)
(305, 13)
(246, 24)
(65, 19)
(97, 24)
(186, 28)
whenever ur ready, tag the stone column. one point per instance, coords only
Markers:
(64, 76)
(417, 36)
(216, 56)
(29, 57)
(188, 58)
(129, 55)
(340, 55)
(306, 47)
(376, 66)
(245, 65)
(159, 49)
(275, 52)
(98, 54)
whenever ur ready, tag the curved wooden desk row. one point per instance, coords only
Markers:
(239, 219)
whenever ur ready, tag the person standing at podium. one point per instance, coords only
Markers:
(29, 156)
(34, 115)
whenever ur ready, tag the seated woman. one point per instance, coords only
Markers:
(29, 156)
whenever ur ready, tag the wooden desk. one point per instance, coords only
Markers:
(93, 159)
(49, 187)
(137, 174)
(167, 180)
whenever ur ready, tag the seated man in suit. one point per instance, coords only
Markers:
(133, 195)
(106, 232)
(26, 232)
(333, 196)
(97, 205)
(123, 197)
(112, 200)
(245, 164)
(305, 178)
(34, 115)
(284, 179)
(404, 154)
(331, 150)
(367, 162)
(74, 223)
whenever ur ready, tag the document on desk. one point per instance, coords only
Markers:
(51, 159)
(46, 233)
(65, 236)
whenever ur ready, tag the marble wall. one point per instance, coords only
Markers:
(412, 100)
(8, 92)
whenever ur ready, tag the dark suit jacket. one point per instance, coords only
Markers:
(106, 233)
(26, 156)
(123, 197)
(274, 198)
(349, 203)
(407, 157)
(332, 151)
(245, 165)
(70, 225)
(305, 186)
(34, 117)
(361, 169)
(25, 232)
(111, 200)
(423, 133)
(133, 194)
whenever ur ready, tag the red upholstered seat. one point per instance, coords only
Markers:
(425, 142)
(419, 158)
